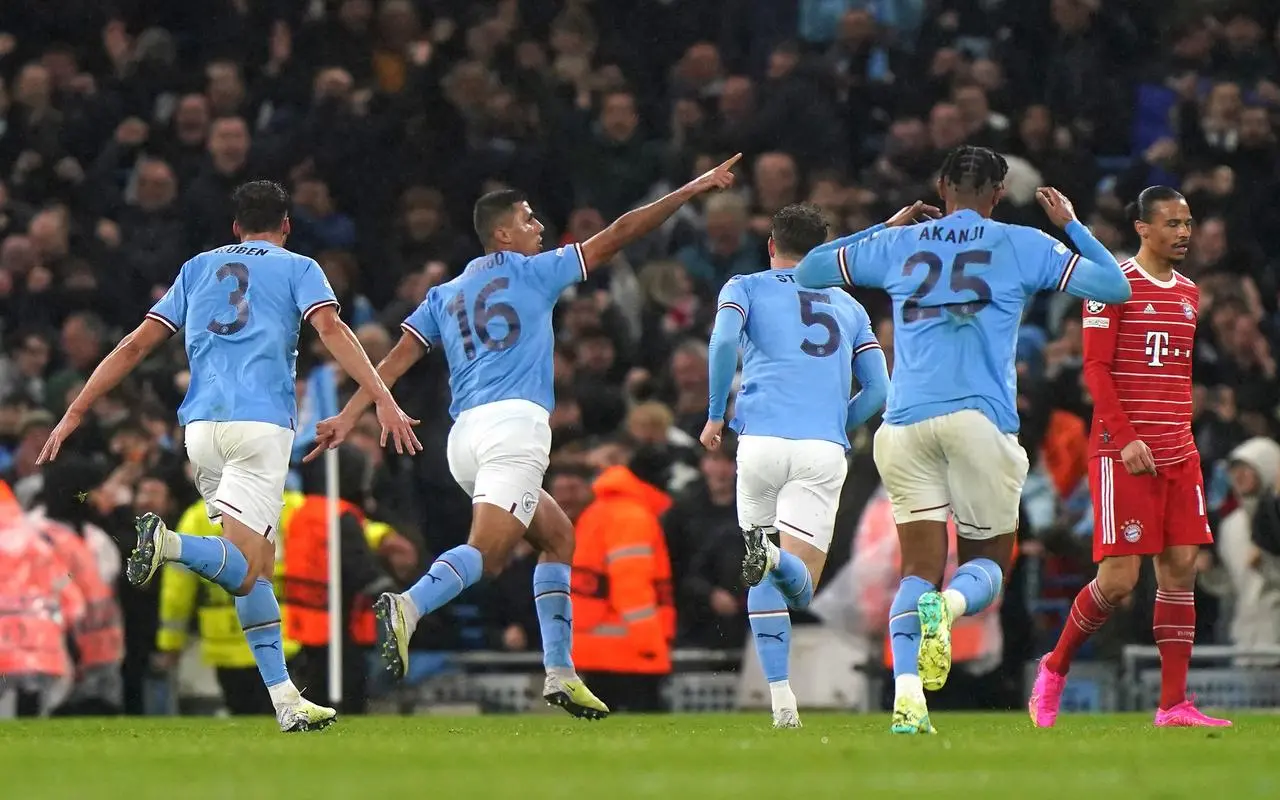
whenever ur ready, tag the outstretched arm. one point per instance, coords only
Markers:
(331, 432)
(1097, 275)
(827, 265)
(119, 363)
(631, 226)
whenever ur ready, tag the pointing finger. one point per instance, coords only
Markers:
(730, 162)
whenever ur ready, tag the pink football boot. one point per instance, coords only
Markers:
(1186, 715)
(1046, 696)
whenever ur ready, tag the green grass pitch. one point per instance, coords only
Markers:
(978, 756)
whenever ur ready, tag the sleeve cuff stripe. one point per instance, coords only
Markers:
(422, 340)
(843, 262)
(314, 307)
(1066, 273)
(865, 347)
(582, 260)
(163, 321)
(735, 307)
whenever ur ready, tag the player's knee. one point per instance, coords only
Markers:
(1176, 567)
(1117, 578)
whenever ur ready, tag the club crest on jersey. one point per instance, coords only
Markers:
(1132, 531)
(1187, 310)
(1094, 307)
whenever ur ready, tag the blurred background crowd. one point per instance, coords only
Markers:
(125, 125)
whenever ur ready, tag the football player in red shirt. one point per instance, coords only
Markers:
(1144, 470)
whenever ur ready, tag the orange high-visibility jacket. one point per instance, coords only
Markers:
(624, 616)
(306, 578)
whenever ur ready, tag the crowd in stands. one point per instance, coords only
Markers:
(124, 127)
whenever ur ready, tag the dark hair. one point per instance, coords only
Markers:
(491, 209)
(1142, 208)
(261, 206)
(974, 169)
(568, 471)
(798, 228)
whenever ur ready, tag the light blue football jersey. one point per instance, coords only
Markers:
(959, 285)
(494, 323)
(798, 347)
(241, 306)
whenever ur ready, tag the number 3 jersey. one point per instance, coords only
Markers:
(494, 323)
(1137, 366)
(241, 306)
(959, 285)
(798, 347)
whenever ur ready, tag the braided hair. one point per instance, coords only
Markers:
(974, 169)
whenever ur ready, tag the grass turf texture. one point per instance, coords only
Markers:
(979, 756)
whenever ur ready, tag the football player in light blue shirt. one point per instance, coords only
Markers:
(493, 323)
(801, 349)
(241, 306)
(948, 443)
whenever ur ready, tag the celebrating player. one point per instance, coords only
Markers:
(795, 404)
(1144, 470)
(494, 324)
(241, 306)
(949, 439)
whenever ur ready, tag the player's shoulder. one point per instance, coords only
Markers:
(1183, 282)
(1027, 236)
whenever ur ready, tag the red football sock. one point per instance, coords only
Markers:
(1174, 626)
(1089, 611)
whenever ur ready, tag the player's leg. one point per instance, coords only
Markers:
(217, 559)
(761, 471)
(986, 470)
(914, 471)
(1118, 548)
(804, 516)
(1186, 529)
(551, 532)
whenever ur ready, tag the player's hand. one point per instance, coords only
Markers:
(398, 426)
(719, 178)
(330, 433)
(66, 426)
(1138, 459)
(919, 210)
(1056, 205)
(710, 437)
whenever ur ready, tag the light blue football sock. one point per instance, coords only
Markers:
(792, 578)
(771, 629)
(979, 582)
(451, 573)
(214, 558)
(554, 604)
(259, 615)
(904, 625)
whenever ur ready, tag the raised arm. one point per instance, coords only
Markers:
(130, 352)
(1094, 274)
(829, 264)
(631, 226)
(344, 346)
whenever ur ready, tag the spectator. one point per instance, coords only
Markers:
(727, 248)
(624, 615)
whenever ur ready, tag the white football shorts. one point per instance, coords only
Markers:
(499, 453)
(791, 484)
(240, 470)
(959, 463)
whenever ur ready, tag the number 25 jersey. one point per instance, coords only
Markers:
(494, 323)
(959, 285)
(241, 306)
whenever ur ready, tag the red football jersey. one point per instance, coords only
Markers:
(1137, 365)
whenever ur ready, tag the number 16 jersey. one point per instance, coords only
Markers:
(241, 306)
(959, 285)
(798, 347)
(494, 324)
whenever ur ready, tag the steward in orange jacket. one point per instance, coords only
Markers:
(624, 616)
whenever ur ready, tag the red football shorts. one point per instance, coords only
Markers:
(1141, 515)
